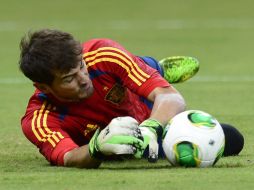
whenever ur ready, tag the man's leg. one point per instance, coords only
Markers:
(153, 63)
(179, 68)
(174, 69)
(234, 140)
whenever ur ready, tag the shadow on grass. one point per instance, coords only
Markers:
(163, 164)
(40, 165)
(150, 167)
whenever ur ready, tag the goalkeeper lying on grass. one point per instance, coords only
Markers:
(83, 91)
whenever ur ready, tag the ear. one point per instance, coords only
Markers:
(42, 87)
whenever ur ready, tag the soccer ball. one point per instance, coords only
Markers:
(193, 139)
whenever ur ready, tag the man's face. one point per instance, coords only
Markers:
(72, 86)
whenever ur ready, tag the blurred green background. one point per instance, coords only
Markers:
(218, 33)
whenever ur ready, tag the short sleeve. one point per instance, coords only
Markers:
(43, 128)
(104, 56)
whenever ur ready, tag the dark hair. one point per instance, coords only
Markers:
(46, 51)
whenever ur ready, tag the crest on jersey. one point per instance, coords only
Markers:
(116, 94)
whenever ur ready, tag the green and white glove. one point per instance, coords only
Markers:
(150, 130)
(121, 137)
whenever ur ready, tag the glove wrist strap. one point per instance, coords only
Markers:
(93, 147)
(154, 125)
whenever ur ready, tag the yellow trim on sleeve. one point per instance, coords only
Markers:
(52, 133)
(119, 56)
(49, 132)
(118, 63)
(60, 135)
(120, 51)
(45, 136)
(33, 127)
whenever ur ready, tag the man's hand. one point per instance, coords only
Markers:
(121, 137)
(150, 130)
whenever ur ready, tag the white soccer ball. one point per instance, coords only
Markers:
(193, 139)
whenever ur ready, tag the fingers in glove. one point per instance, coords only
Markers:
(122, 131)
(153, 151)
(150, 141)
(126, 122)
(128, 140)
(119, 149)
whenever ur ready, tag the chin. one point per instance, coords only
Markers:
(87, 94)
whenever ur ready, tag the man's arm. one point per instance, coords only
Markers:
(121, 137)
(80, 157)
(167, 103)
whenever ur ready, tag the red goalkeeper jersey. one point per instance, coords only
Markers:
(121, 83)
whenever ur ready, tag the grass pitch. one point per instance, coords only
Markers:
(218, 33)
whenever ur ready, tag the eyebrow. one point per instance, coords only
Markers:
(68, 75)
(71, 74)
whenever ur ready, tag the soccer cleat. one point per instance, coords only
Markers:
(179, 68)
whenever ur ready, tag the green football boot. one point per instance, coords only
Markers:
(179, 68)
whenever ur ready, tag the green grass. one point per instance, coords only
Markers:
(218, 33)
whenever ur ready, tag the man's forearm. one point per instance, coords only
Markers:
(167, 103)
(80, 157)
(166, 106)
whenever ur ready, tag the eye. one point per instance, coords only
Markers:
(68, 79)
(82, 64)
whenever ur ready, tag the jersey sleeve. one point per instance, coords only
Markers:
(43, 129)
(104, 56)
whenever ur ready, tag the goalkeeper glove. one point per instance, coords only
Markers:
(121, 137)
(150, 130)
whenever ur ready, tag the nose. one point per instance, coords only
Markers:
(83, 77)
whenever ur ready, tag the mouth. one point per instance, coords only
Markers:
(85, 87)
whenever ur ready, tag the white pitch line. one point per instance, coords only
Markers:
(183, 24)
(8, 26)
(223, 79)
(14, 81)
(194, 79)
(170, 24)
